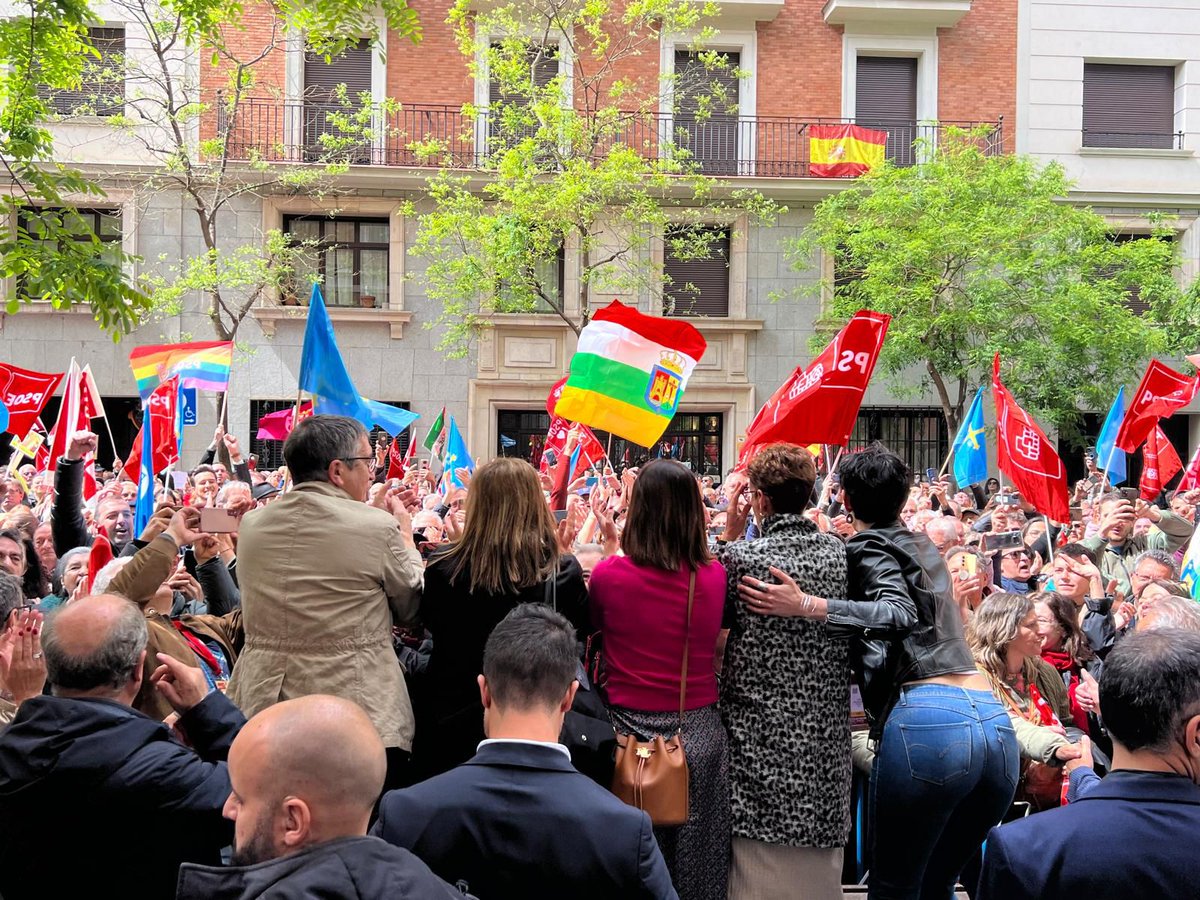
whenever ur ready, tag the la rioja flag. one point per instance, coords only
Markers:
(819, 404)
(1160, 463)
(1026, 456)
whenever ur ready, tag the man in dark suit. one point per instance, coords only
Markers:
(518, 820)
(1134, 833)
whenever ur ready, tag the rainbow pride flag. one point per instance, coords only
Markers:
(202, 364)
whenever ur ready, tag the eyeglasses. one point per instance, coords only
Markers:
(369, 460)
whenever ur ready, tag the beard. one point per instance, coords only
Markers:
(258, 848)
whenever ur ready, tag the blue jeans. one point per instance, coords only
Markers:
(945, 772)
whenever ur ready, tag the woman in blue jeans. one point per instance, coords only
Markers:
(946, 760)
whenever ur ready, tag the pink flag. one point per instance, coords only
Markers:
(278, 425)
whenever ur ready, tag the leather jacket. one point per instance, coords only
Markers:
(901, 613)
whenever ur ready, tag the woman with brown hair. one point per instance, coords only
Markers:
(785, 693)
(508, 554)
(640, 604)
(1065, 648)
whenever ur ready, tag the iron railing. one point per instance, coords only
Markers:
(422, 135)
(1133, 140)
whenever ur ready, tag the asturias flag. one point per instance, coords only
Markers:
(970, 451)
(323, 374)
(844, 151)
(1108, 457)
(629, 373)
(456, 456)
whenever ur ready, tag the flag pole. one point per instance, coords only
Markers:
(1049, 542)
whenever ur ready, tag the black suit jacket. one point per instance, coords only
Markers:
(518, 821)
(1132, 835)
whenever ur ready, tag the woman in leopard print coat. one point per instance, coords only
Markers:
(785, 696)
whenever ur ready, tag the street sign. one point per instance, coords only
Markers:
(188, 396)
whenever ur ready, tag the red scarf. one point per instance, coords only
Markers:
(1062, 661)
(199, 649)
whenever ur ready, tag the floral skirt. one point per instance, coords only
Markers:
(697, 853)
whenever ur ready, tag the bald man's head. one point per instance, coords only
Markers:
(303, 772)
(95, 646)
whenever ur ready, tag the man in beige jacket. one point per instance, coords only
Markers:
(323, 577)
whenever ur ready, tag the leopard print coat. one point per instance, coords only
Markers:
(785, 695)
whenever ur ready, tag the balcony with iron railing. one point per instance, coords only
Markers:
(271, 130)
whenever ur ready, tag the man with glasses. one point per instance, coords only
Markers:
(1016, 570)
(324, 576)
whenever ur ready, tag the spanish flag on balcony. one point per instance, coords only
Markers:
(844, 151)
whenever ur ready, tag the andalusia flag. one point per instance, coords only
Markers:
(844, 151)
(629, 373)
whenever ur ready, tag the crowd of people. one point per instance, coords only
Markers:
(346, 685)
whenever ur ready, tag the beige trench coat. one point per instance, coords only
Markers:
(322, 579)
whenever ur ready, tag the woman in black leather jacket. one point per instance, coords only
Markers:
(946, 760)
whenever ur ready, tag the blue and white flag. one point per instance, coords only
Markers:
(456, 456)
(1108, 457)
(970, 452)
(144, 507)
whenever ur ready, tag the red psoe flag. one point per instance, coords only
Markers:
(818, 404)
(1191, 478)
(1026, 456)
(1161, 392)
(396, 459)
(25, 394)
(163, 402)
(1160, 462)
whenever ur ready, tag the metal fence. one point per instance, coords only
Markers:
(422, 135)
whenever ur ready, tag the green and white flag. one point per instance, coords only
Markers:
(435, 434)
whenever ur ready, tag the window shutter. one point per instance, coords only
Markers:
(713, 139)
(885, 97)
(103, 84)
(352, 68)
(545, 72)
(710, 277)
(1128, 106)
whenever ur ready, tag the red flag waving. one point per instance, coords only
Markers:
(818, 404)
(1191, 478)
(396, 459)
(1160, 462)
(25, 393)
(163, 402)
(1162, 391)
(1026, 456)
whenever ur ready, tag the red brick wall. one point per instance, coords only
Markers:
(977, 80)
(799, 63)
(433, 71)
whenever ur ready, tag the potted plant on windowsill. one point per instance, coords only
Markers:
(366, 301)
(288, 295)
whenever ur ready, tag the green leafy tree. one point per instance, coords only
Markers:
(577, 158)
(973, 254)
(46, 50)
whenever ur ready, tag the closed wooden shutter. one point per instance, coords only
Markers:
(102, 89)
(708, 276)
(545, 71)
(1128, 106)
(352, 68)
(713, 139)
(885, 97)
(1133, 301)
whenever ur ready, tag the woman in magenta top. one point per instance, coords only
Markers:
(639, 602)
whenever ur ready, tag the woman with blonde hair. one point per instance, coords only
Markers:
(508, 554)
(1006, 644)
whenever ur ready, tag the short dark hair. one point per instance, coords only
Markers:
(110, 664)
(1079, 550)
(318, 441)
(665, 525)
(529, 660)
(1151, 687)
(877, 482)
(12, 595)
(786, 473)
(203, 467)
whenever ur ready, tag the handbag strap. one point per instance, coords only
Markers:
(687, 637)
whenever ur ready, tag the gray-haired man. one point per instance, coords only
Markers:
(83, 766)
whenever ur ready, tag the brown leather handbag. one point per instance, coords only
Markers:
(653, 775)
